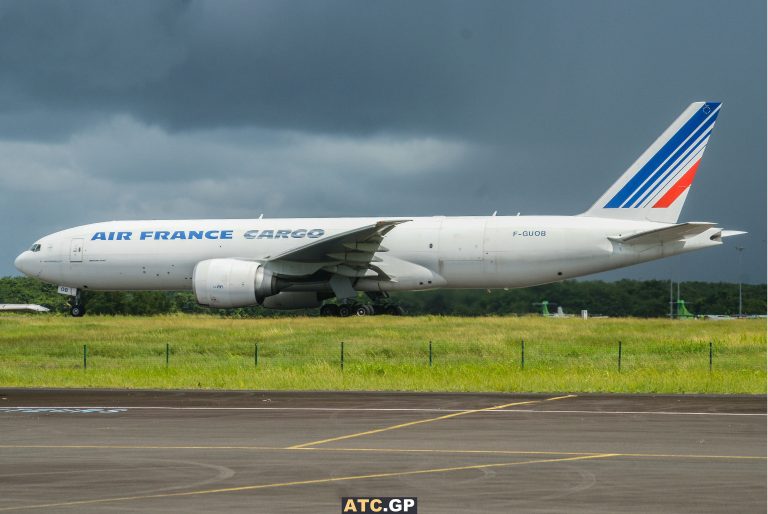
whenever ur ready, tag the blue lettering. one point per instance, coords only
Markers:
(226, 234)
(179, 234)
(111, 236)
(99, 236)
(212, 234)
(283, 233)
(195, 234)
(161, 234)
(124, 236)
(146, 235)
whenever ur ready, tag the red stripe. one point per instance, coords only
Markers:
(676, 190)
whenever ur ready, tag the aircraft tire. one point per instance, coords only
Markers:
(329, 309)
(361, 310)
(345, 310)
(77, 311)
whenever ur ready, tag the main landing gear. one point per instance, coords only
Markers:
(351, 307)
(360, 309)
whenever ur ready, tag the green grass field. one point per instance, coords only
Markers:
(385, 353)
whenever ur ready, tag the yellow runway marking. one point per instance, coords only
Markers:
(430, 420)
(373, 450)
(691, 456)
(522, 452)
(304, 482)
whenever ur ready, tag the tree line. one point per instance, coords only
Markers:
(646, 298)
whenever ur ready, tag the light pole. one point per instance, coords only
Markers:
(740, 249)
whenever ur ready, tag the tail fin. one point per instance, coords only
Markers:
(654, 188)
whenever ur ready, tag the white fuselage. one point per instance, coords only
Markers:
(299, 262)
(423, 253)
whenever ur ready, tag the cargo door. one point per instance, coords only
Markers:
(461, 251)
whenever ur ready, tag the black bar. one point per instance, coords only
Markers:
(619, 356)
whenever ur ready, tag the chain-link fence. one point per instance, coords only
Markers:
(623, 356)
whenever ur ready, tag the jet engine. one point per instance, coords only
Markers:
(225, 283)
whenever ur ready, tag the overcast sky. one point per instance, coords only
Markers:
(151, 109)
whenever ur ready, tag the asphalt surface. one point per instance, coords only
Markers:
(152, 451)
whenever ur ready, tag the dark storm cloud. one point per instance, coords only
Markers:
(498, 69)
(227, 108)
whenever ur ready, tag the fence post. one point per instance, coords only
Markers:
(430, 354)
(255, 354)
(619, 356)
(522, 354)
(342, 356)
(710, 356)
(167, 354)
(85, 356)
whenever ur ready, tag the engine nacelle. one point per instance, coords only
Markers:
(288, 301)
(225, 283)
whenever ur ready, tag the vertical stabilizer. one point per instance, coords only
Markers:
(654, 188)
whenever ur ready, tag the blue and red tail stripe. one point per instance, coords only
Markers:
(679, 188)
(670, 168)
(674, 173)
(688, 140)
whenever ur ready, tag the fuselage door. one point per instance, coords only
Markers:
(76, 250)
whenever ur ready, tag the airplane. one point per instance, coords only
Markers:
(22, 307)
(296, 263)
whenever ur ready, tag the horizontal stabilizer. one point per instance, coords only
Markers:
(665, 234)
(729, 233)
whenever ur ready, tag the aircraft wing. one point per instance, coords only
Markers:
(23, 307)
(668, 234)
(350, 254)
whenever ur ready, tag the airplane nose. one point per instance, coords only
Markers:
(20, 262)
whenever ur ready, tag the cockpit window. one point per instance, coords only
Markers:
(35, 248)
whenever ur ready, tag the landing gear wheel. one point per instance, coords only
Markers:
(329, 309)
(361, 310)
(345, 310)
(395, 310)
(77, 311)
(370, 309)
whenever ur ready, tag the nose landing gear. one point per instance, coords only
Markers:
(77, 311)
(77, 305)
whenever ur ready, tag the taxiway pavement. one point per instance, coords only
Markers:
(200, 451)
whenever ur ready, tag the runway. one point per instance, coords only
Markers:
(198, 451)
